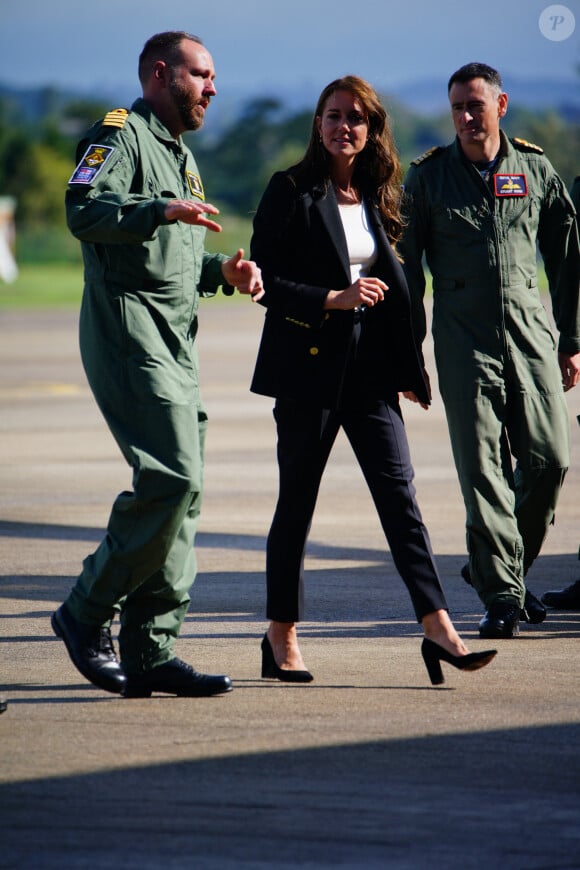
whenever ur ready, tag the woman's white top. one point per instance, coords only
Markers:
(362, 247)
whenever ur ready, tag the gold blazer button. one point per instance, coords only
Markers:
(313, 351)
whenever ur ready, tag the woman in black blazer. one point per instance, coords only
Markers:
(337, 348)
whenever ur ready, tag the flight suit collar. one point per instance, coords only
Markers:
(505, 148)
(142, 108)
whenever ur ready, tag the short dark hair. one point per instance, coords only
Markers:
(163, 46)
(476, 71)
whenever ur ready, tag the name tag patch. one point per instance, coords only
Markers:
(195, 184)
(93, 161)
(510, 185)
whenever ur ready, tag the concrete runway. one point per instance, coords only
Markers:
(367, 767)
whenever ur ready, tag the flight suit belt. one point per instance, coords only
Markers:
(127, 279)
(460, 283)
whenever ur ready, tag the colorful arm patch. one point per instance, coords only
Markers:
(93, 161)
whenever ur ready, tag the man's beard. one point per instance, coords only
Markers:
(190, 114)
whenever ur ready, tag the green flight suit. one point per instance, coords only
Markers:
(138, 321)
(495, 352)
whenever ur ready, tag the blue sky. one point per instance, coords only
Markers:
(260, 46)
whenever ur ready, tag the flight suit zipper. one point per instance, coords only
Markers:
(181, 159)
(498, 235)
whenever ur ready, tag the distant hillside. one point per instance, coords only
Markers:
(424, 96)
(33, 104)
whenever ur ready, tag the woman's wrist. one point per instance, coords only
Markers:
(331, 300)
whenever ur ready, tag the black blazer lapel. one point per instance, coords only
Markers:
(327, 208)
(393, 275)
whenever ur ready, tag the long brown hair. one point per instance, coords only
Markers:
(377, 170)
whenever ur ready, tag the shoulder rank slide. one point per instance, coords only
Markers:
(524, 145)
(115, 118)
(430, 153)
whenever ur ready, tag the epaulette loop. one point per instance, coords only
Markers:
(430, 153)
(115, 118)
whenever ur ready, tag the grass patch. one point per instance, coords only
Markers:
(44, 285)
(236, 233)
(51, 285)
(60, 285)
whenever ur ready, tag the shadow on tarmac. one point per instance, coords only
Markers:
(468, 800)
(452, 801)
(365, 592)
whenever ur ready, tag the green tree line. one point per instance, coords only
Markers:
(36, 159)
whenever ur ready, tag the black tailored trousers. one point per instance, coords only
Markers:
(376, 432)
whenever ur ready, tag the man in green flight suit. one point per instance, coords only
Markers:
(477, 208)
(568, 598)
(136, 202)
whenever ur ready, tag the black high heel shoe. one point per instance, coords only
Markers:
(433, 655)
(271, 671)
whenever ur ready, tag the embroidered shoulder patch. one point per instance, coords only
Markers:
(430, 153)
(93, 161)
(524, 145)
(115, 118)
(510, 185)
(195, 184)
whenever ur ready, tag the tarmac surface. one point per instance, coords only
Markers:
(367, 767)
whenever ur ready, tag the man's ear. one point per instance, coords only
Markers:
(160, 70)
(502, 105)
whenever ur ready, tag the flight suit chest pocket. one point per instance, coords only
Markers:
(460, 219)
(525, 209)
(157, 187)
